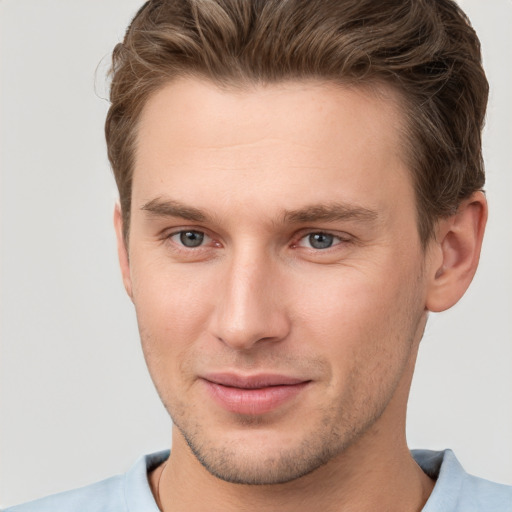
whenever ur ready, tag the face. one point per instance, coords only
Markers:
(276, 271)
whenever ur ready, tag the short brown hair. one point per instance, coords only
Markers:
(425, 49)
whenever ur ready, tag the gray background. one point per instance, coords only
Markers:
(77, 404)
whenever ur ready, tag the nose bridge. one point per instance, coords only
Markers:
(248, 309)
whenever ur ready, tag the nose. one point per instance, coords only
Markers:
(250, 308)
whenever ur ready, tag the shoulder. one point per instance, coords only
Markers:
(122, 493)
(486, 495)
(457, 491)
(104, 496)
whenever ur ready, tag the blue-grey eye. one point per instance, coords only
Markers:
(191, 238)
(321, 240)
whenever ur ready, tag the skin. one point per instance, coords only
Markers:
(257, 171)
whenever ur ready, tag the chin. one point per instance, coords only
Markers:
(259, 464)
(258, 454)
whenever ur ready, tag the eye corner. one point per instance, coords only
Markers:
(190, 239)
(320, 240)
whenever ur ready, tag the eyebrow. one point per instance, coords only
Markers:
(162, 207)
(330, 213)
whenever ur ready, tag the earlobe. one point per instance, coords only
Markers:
(122, 251)
(455, 253)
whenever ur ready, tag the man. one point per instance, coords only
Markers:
(300, 184)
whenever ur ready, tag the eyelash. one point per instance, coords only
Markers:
(336, 238)
(182, 232)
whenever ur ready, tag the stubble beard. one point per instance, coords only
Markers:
(332, 435)
(338, 427)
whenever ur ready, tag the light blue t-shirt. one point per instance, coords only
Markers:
(455, 490)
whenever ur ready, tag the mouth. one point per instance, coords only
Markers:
(252, 395)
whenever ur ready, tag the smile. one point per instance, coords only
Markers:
(252, 395)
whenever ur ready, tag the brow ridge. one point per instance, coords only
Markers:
(163, 207)
(160, 207)
(330, 213)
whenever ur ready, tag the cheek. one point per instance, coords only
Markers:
(171, 297)
(360, 316)
(347, 301)
(172, 311)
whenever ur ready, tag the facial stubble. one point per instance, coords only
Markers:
(340, 424)
(338, 427)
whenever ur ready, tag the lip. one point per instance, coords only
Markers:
(252, 394)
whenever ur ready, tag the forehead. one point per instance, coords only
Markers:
(284, 143)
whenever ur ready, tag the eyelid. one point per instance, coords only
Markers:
(342, 238)
(206, 238)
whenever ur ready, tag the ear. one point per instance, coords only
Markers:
(122, 251)
(455, 253)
